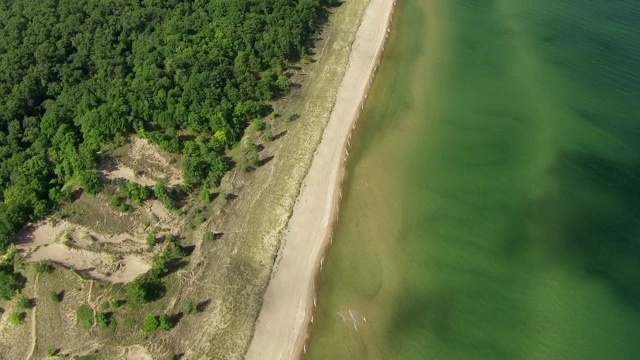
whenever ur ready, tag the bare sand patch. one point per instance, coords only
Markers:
(103, 266)
(281, 328)
(135, 352)
(127, 173)
(72, 245)
(142, 162)
(142, 149)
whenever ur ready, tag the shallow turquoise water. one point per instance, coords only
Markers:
(492, 203)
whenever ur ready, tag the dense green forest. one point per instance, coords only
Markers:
(78, 75)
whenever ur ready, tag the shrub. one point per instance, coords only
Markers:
(268, 133)
(162, 194)
(160, 266)
(23, 303)
(84, 316)
(174, 250)
(152, 240)
(10, 282)
(189, 307)
(103, 319)
(53, 352)
(144, 290)
(43, 267)
(205, 195)
(106, 321)
(251, 160)
(209, 236)
(118, 202)
(57, 297)
(165, 322)
(151, 323)
(90, 182)
(257, 124)
(137, 291)
(17, 318)
(138, 193)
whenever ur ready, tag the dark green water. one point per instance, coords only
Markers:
(492, 203)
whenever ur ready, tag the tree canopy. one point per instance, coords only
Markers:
(76, 75)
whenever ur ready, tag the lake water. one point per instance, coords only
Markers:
(492, 202)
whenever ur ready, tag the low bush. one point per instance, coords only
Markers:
(189, 307)
(151, 323)
(165, 322)
(84, 316)
(17, 318)
(43, 267)
(23, 303)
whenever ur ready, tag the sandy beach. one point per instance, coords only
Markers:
(281, 329)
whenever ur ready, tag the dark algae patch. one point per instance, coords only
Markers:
(491, 208)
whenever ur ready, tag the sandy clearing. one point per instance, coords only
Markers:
(135, 352)
(281, 327)
(107, 267)
(144, 163)
(142, 151)
(41, 233)
(123, 172)
(116, 258)
(48, 232)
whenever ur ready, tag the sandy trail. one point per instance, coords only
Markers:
(281, 330)
(34, 335)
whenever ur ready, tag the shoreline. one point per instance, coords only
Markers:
(282, 327)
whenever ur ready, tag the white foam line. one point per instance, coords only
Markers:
(355, 322)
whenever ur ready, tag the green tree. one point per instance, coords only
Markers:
(10, 282)
(160, 266)
(137, 292)
(138, 193)
(144, 290)
(90, 182)
(151, 323)
(162, 194)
